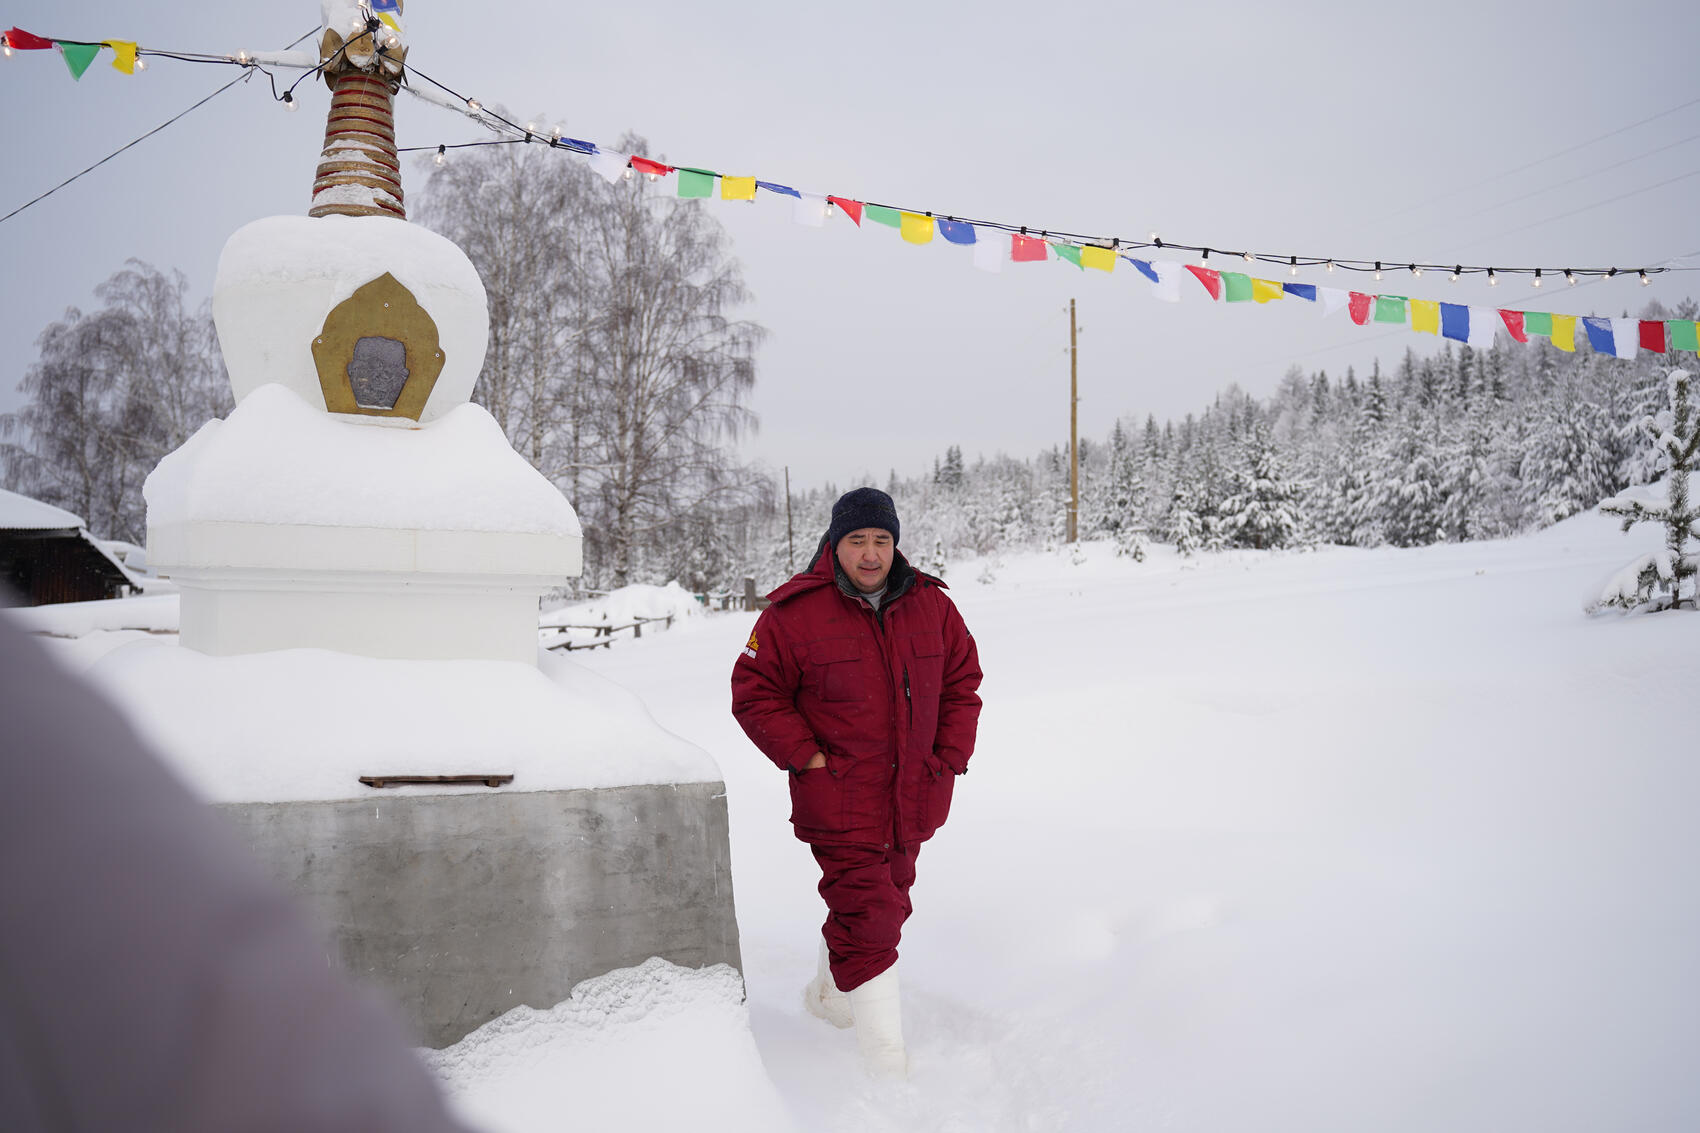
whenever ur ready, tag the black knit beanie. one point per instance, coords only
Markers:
(859, 508)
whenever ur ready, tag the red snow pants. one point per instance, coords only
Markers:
(866, 890)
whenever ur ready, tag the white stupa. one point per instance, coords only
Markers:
(355, 500)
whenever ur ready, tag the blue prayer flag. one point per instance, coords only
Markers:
(1455, 321)
(1302, 290)
(956, 231)
(1600, 336)
(1145, 269)
(785, 190)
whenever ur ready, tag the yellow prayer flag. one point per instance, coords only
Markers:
(123, 55)
(1263, 290)
(1092, 256)
(737, 188)
(390, 20)
(1425, 315)
(1564, 333)
(916, 229)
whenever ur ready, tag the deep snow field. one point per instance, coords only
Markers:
(1337, 840)
(1391, 840)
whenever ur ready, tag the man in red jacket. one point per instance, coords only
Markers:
(860, 681)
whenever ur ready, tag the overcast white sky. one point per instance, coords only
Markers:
(1398, 132)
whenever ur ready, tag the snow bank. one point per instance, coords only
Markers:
(156, 613)
(21, 513)
(307, 723)
(656, 1047)
(277, 460)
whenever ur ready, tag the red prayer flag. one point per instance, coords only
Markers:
(1653, 335)
(24, 41)
(1210, 277)
(644, 165)
(852, 209)
(1359, 305)
(1514, 324)
(1027, 249)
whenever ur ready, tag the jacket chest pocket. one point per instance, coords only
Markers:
(926, 662)
(837, 669)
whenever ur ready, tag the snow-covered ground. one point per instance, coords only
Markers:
(1341, 840)
(1346, 840)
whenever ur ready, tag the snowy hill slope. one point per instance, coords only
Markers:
(1344, 840)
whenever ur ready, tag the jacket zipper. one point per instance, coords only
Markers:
(907, 699)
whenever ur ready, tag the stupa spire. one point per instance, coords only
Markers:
(364, 56)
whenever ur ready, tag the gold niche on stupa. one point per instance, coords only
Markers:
(378, 353)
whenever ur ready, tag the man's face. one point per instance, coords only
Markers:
(865, 555)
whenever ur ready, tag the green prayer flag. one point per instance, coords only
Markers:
(891, 218)
(78, 56)
(1390, 309)
(1537, 322)
(1069, 252)
(1682, 334)
(695, 182)
(1236, 287)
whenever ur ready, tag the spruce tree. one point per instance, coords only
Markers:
(1672, 570)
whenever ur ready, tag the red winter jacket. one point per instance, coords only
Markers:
(889, 697)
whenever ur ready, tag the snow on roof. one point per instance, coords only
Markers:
(20, 513)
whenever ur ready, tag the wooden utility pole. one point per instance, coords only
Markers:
(790, 545)
(1073, 429)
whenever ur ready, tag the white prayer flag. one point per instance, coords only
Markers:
(1333, 298)
(1625, 337)
(1168, 285)
(1484, 325)
(611, 166)
(991, 248)
(809, 210)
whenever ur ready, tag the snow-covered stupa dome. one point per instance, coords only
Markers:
(364, 315)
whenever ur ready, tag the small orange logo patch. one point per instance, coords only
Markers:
(751, 646)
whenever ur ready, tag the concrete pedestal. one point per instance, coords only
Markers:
(463, 906)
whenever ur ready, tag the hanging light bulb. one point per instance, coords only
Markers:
(1493, 280)
(474, 105)
(554, 134)
(1249, 258)
(141, 64)
(1570, 277)
(1378, 269)
(1330, 266)
(1537, 277)
(653, 177)
(392, 41)
(244, 58)
(1457, 270)
(5, 46)
(1156, 240)
(1644, 280)
(531, 127)
(1416, 271)
(442, 155)
(627, 174)
(1294, 260)
(289, 102)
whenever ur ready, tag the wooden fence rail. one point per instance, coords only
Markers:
(604, 632)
